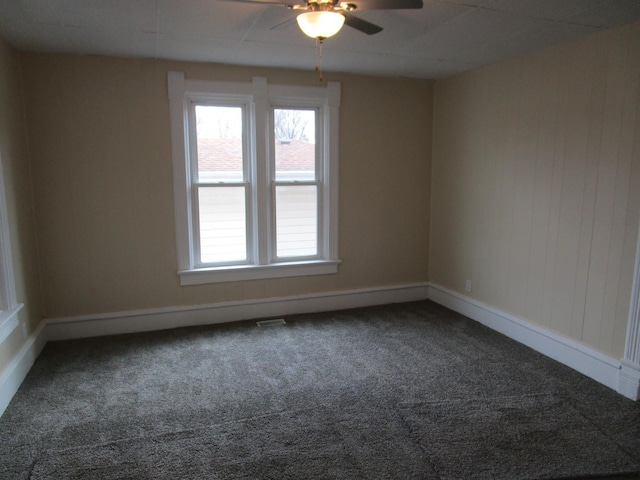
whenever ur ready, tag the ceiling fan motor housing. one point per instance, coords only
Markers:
(325, 6)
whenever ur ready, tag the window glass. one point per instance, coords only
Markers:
(223, 224)
(295, 144)
(296, 220)
(219, 143)
(8, 304)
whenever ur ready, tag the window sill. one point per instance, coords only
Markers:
(9, 321)
(201, 276)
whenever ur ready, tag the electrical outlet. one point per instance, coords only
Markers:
(467, 285)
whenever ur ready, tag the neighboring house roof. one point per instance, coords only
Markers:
(226, 154)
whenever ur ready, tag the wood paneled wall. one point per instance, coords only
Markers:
(536, 186)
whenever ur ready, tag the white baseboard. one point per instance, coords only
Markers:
(17, 370)
(586, 360)
(174, 317)
(621, 377)
(165, 318)
(629, 380)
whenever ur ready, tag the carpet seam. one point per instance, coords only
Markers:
(173, 432)
(635, 458)
(418, 443)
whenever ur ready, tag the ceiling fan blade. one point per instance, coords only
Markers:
(383, 4)
(286, 23)
(361, 25)
(284, 3)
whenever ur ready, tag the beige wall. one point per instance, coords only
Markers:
(536, 191)
(101, 151)
(17, 177)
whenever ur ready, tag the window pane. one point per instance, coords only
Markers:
(295, 149)
(296, 221)
(223, 226)
(219, 143)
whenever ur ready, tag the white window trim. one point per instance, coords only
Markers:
(263, 95)
(9, 307)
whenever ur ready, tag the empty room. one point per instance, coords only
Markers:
(378, 239)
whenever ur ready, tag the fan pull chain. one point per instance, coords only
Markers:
(319, 41)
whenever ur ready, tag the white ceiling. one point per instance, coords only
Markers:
(444, 38)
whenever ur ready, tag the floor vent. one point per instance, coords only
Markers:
(271, 323)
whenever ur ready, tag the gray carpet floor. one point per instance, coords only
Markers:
(405, 391)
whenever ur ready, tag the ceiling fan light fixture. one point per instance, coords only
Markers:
(322, 24)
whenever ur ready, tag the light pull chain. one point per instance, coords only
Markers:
(319, 41)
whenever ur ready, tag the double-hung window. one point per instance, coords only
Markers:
(9, 307)
(255, 179)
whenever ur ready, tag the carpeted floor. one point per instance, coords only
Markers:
(407, 391)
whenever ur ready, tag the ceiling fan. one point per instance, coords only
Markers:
(324, 18)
